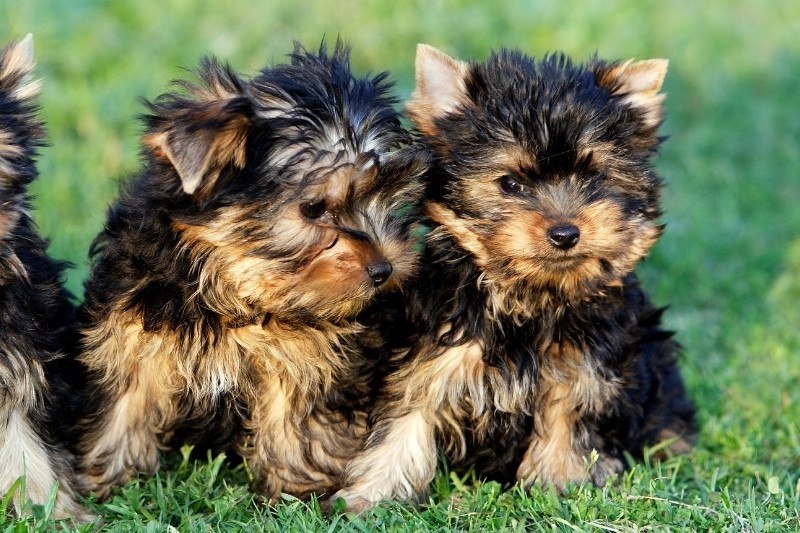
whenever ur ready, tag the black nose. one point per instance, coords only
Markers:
(564, 236)
(379, 272)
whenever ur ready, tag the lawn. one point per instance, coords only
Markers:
(728, 264)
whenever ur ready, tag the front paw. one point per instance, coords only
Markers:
(574, 468)
(346, 501)
(601, 467)
(100, 486)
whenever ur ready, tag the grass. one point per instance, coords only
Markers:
(728, 264)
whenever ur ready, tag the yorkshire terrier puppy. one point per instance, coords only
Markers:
(35, 311)
(225, 288)
(532, 343)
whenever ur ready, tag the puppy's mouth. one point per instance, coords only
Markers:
(563, 261)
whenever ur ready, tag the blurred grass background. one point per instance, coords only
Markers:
(728, 263)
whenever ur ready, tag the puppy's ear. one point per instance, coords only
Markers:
(441, 87)
(203, 139)
(202, 133)
(16, 66)
(638, 83)
(21, 130)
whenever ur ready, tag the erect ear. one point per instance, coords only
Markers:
(441, 87)
(202, 139)
(639, 83)
(16, 65)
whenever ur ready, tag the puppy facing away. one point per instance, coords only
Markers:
(225, 287)
(532, 342)
(35, 312)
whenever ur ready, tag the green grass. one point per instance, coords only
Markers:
(728, 264)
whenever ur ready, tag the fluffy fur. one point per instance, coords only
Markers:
(35, 312)
(532, 343)
(223, 299)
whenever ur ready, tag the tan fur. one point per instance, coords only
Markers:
(571, 388)
(533, 242)
(554, 457)
(15, 70)
(276, 449)
(230, 309)
(440, 87)
(164, 362)
(219, 148)
(21, 385)
(605, 233)
(152, 370)
(440, 393)
(334, 281)
(457, 227)
(521, 236)
(8, 145)
(7, 223)
(402, 465)
(22, 453)
(640, 82)
(437, 395)
(8, 219)
(33, 298)
(19, 64)
(145, 375)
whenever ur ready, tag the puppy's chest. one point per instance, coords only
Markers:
(308, 357)
(573, 377)
(204, 366)
(518, 384)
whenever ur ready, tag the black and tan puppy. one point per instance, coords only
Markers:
(35, 312)
(225, 286)
(532, 342)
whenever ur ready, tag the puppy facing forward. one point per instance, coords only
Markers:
(533, 343)
(35, 312)
(226, 283)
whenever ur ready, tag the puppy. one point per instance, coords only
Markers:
(531, 342)
(225, 288)
(35, 312)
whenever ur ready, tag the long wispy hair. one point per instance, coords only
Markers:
(35, 311)
(227, 282)
(529, 342)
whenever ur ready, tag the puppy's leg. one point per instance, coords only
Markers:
(399, 462)
(22, 452)
(123, 437)
(669, 417)
(423, 399)
(291, 450)
(561, 449)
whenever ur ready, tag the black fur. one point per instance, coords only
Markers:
(302, 169)
(572, 354)
(619, 327)
(36, 314)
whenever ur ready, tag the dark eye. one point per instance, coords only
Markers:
(314, 209)
(509, 185)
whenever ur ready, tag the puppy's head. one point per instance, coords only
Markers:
(544, 167)
(21, 132)
(294, 192)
